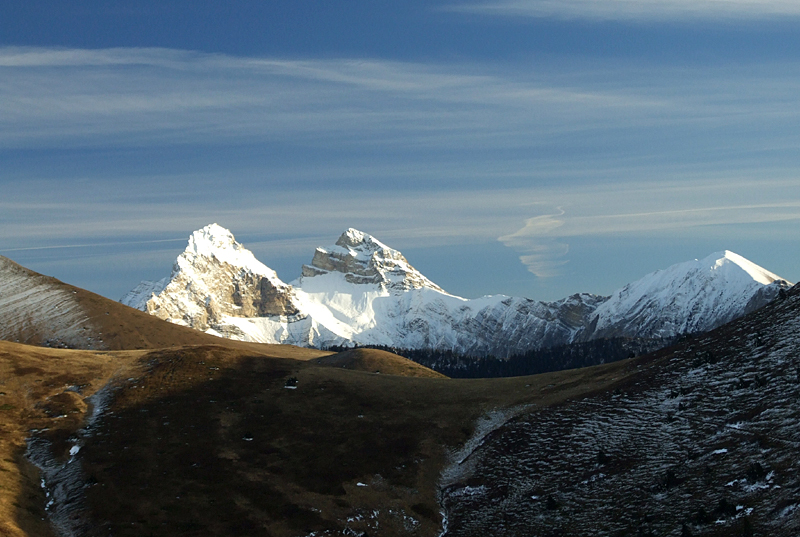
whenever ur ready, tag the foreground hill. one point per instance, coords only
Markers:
(703, 440)
(217, 440)
(360, 291)
(377, 361)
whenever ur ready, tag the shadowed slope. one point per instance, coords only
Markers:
(702, 441)
(208, 440)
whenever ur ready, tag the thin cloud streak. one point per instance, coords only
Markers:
(633, 10)
(426, 219)
(88, 245)
(134, 97)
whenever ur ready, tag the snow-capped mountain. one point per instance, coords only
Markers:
(363, 259)
(695, 296)
(360, 291)
(213, 279)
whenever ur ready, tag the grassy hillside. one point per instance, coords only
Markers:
(33, 307)
(209, 440)
(377, 361)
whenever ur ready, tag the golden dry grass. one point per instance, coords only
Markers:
(379, 362)
(33, 395)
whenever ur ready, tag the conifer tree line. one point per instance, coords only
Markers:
(571, 356)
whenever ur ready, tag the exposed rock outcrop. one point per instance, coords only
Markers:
(215, 277)
(365, 260)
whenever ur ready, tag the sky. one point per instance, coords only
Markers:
(533, 148)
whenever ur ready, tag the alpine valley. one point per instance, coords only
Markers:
(360, 292)
(148, 427)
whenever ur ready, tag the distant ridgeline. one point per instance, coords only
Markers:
(570, 356)
(361, 292)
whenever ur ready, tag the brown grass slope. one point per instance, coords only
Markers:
(207, 440)
(377, 361)
(35, 393)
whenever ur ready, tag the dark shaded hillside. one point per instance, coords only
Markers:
(703, 441)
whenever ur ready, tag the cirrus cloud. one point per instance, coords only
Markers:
(631, 10)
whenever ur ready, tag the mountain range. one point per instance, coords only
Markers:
(152, 428)
(361, 292)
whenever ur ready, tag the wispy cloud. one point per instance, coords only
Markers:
(420, 154)
(143, 96)
(633, 9)
(540, 252)
(156, 97)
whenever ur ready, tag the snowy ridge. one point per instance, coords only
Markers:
(727, 260)
(214, 241)
(694, 296)
(361, 292)
(139, 295)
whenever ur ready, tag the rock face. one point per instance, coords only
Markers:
(363, 259)
(360, 291)
(214, 278)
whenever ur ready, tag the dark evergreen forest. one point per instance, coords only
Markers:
(574, 355)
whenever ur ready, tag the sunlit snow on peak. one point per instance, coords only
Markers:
(730, 260)
(215, 241)
(357, 242)
(360, 291)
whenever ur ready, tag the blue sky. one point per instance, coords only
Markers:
(524, 147)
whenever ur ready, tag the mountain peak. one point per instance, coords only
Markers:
(214, 277)
(727, 260)
(216, 242)
(713, 290)
(353, 238)
(363, 259)
(210, 238)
